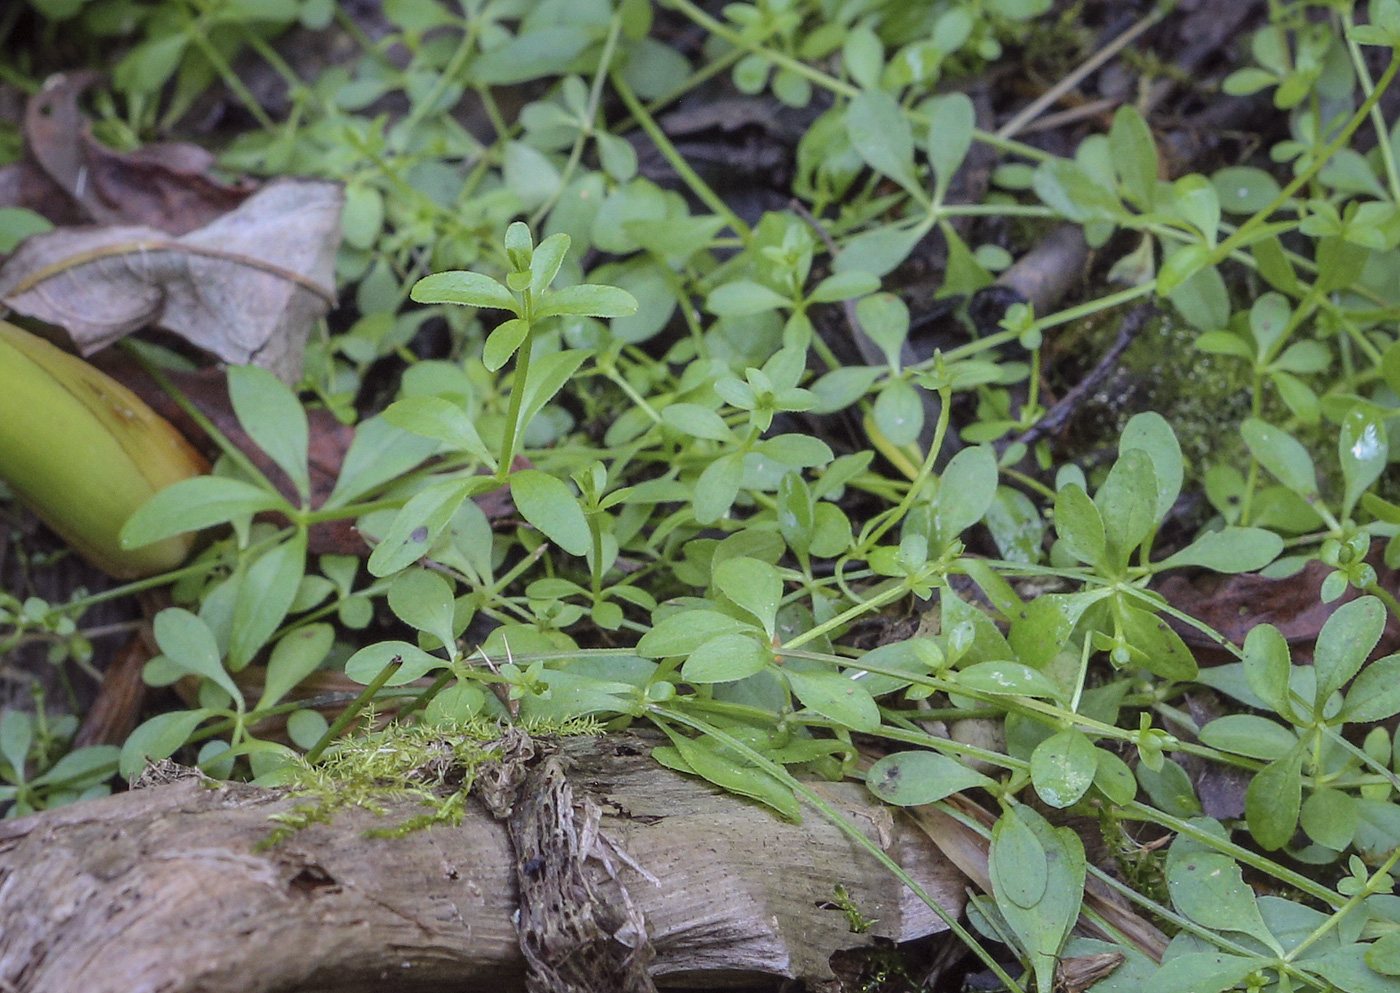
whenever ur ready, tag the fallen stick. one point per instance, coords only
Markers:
(166, 888)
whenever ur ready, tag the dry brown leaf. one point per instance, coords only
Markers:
(246, 287)
(165, 186)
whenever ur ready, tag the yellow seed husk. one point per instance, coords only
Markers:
(83, 453)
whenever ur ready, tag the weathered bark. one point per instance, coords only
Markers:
(164, 888)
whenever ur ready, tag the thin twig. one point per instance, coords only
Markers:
(1059, 415)
(1033, 109)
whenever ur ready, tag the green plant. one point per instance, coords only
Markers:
(694, 548)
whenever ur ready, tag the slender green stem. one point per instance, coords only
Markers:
(517, 398)
(356, 706)
(691, 178)
(1363, 75)
(916, 484)
(1138, 811)
(465, 46)
(1378, 882)
(845, 617)
(589, 124)
(1257, 220)
(426, 697)
(198, 36)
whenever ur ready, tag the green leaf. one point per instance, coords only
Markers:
(470, 289)
(1346, 967)
(370, 661)
(1364, 449)
(503, 342)
(417, 526)
(1384, 954)
(545, 262)
(728, 771)
(1114, 778)
(81, 768)
(697, 421)
(18, 223)
(844, 286)
(588, 300)
(863, 56)
(899, 413)
(147, 67)
(296, 655)
(547, 377)
(727, 658)
(264, 598)
(422, 599)
(274, 419)
(1201, 297)
(1268, 666)
(917, 656)
(836, 696)
(195, 504)
(752, 585)
(879, 250)
(188, 643)
(529, 174)
(1346, 638)
(1231, 549)
(1079, 524)
(1180, 266)
(884, 318)
(911, 779)
(1197, 203)
(1043, 925)
(1168, 786)
(1063, 767)
(880, 134)
(1127, 504)
(951, 122)
(1251, 735)
(158, 738)
(1244, 189)
(1155, 646)
(363, 216)
(378, 453)
(1375, 696)
(717, 488)
(800, 451)
(306, 727)
(684, 631)
(442, 420)
(1020, 872)
(16, 735)
(1208, 888)
(1006, 679)
(966, 490)
(1329, 817)
(1268, 320)
(743, 298)
(1150, 433)
(1280, 453)
(1201, 972)
(549, 504)
(1273, 798)
(1134, 156)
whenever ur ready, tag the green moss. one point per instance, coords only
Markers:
(1202, 396)
(434, 765)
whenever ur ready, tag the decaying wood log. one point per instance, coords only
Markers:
(166, 889)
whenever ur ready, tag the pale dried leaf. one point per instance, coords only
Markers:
(247, 287)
